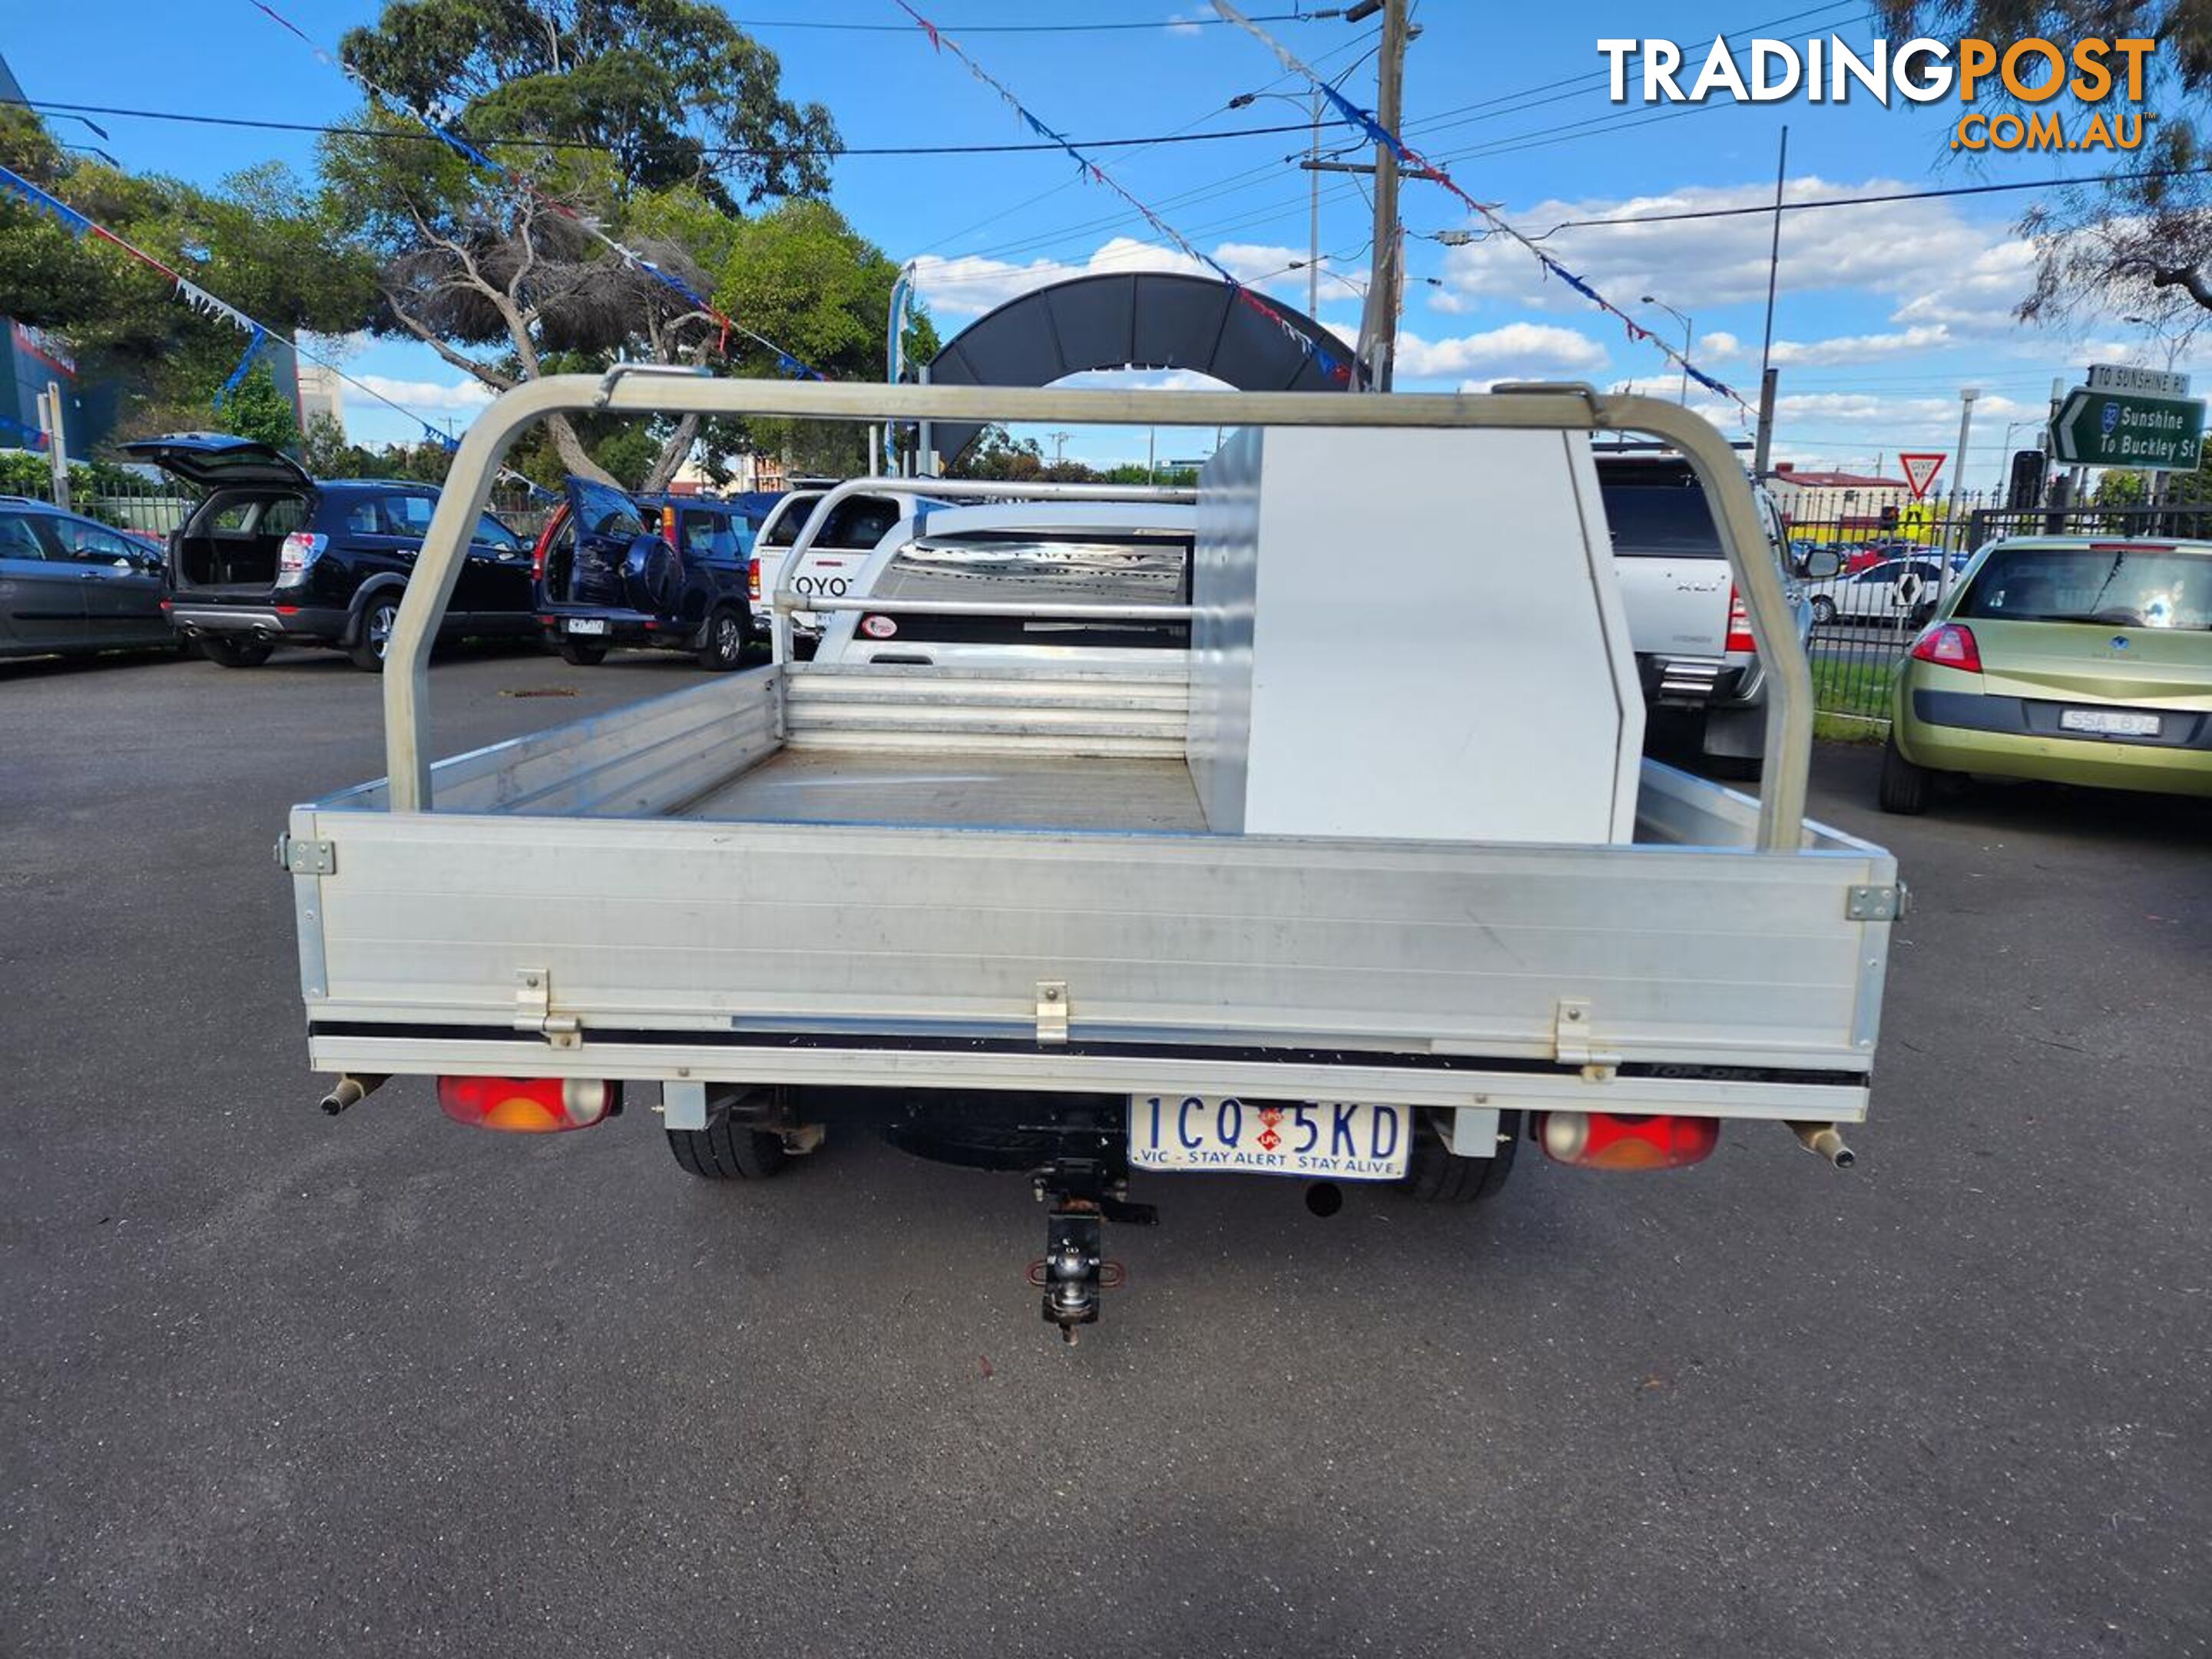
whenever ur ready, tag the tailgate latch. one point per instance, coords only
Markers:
(533, 1010)
(1575, 1041)
(1052, 1011)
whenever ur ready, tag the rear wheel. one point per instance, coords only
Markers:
(728, 1151)
(1824, 610)
(1434, 1176)
(378, 618)
(1905, 787)
(581, 654)
(235, 653)
(724, 648)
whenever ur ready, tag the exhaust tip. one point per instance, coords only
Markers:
(1844, 1158)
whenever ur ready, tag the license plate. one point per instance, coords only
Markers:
(587, 624)
(2110, 722)
(1316, 1139)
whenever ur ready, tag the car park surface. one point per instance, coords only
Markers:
(278, 1383)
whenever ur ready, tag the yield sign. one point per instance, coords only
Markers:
(1920, 471)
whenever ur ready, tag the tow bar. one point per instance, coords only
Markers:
(1085, 1193)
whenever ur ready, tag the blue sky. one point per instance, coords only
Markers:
(1884, 313)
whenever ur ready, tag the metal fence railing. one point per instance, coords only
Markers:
(1901, 560)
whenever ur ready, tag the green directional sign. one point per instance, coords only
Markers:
(2115, 429)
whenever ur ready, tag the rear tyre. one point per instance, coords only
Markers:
(727, 1151)
(724, 648)
(1434, 1176)
(235, 653)
(378, 618)
(578, 654)
(1905, 787)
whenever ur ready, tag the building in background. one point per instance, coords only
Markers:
(1846, 501)
(321, 392)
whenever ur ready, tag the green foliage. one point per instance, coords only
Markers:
(671, 90)
(260, 242)
(257, 408)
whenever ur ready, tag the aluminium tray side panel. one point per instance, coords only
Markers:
(1683, 955)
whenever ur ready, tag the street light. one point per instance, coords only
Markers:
(1688, 334)
(1244, 101)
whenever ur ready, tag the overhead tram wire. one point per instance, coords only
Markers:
(1174, 23)
(1370, 38)
(723, 152)
(1205, 191)
(1623, 119)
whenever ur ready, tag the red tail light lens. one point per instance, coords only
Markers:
(1739, 627)
(529, 1106)
(546, 541)
(300, 549)
(1950, 644)
(1612, 1140)
(752, 579)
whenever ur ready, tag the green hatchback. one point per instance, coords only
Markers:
(2065, 659)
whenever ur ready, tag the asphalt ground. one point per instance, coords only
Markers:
(278, 1384)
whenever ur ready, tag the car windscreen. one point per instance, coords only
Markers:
(1069, 567)
(2110, 585)
(1660, 521)
(785, 530)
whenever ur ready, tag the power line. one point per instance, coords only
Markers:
(1172, 23)
(726, 152)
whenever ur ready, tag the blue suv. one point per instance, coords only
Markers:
(666, 572)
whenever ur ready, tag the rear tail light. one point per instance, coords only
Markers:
(752, 579)
(1738, 626)
(1612, 1140)
(1951, 644)
(301, 549)
(529, 1106)
(545, 540)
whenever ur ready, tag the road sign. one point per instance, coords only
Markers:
(2143, 382)
(2115, 429)
(1920, 471)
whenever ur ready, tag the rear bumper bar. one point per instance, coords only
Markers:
(1827, 1097)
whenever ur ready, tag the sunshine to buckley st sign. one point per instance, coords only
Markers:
(2113, 428)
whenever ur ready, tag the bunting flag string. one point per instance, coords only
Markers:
(1421, 167)
(245, 365)
(1336, 367)
(516, 180)
(208, 305)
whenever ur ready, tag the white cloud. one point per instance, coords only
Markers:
(1143, 380)
(1920, 338)
(969, 285)
(429, 394)
(1187, 22)
(1512, 352)
(1932, 264)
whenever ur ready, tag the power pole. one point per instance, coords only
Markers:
(1763, 448)
(1059, 446)
(1313, 216)
(1378, 328)
(50, 417)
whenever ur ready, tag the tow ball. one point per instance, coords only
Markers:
(1085, 1193)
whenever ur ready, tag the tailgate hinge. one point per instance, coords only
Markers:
(1574, 1041)
(306, 857)
(1870, 903)
(1052, 1011)
(533, 1010)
